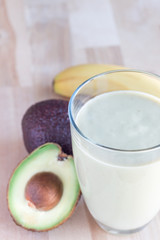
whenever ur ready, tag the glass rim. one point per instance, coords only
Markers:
(90, 140)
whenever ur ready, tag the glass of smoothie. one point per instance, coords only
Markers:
(115, 126)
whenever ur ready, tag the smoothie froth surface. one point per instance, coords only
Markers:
(127, 120)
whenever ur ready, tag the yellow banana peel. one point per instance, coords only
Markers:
(66, 82)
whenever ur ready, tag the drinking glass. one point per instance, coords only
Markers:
(121, 188)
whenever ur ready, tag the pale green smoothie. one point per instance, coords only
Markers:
(121, 190)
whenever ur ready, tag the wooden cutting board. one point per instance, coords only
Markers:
(40, 38)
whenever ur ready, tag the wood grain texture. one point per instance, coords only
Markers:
(40, 38)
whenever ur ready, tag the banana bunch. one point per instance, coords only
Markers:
(66, 82)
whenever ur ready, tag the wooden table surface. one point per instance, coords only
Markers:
(38, 39)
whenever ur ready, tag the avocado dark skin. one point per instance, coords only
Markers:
(47, 121)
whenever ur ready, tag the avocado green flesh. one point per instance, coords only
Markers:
(44, 159)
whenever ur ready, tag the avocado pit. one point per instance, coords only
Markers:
(44, 191)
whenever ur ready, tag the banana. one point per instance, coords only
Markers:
(66, 82)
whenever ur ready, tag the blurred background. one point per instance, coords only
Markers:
(40, 38)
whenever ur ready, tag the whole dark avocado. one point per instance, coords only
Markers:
(47, 121)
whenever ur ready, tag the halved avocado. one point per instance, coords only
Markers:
(43, 190)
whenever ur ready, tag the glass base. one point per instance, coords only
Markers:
(117, 231)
